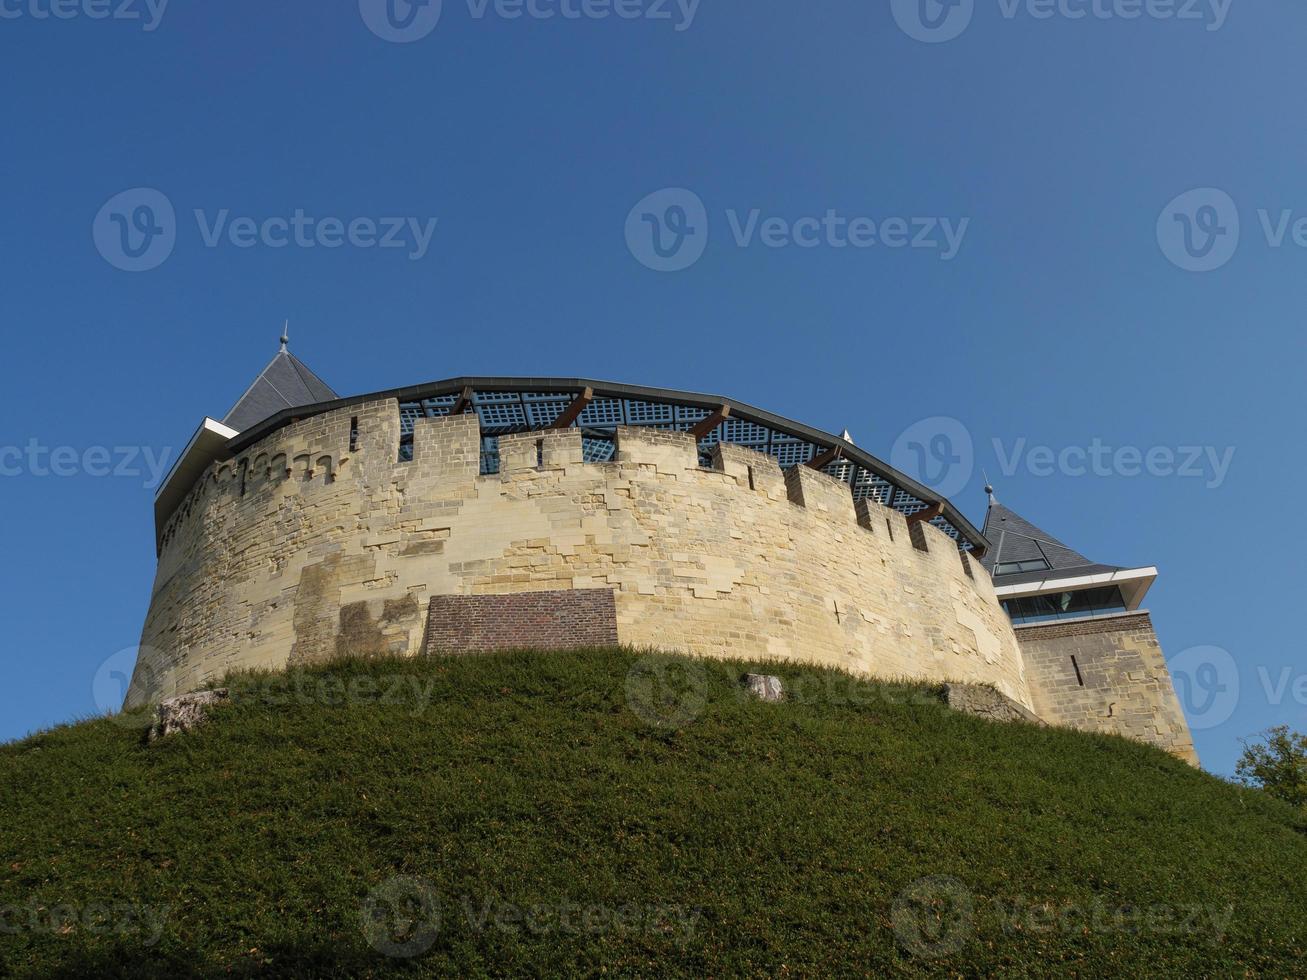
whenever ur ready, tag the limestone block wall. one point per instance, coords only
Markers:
(317, 542)
(1106, 674)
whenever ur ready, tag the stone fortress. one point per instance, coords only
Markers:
(496, 513)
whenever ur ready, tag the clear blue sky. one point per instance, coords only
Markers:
(1059, 321)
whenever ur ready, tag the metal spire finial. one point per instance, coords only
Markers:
(285, 336)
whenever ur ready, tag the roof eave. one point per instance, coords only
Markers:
(1134, 583)
(209, 443)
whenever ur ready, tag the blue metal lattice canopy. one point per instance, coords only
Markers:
(510, 405)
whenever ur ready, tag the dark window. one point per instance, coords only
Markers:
(1012, 567)
(1065, 605)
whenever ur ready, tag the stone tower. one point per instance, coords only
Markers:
(1092, 658)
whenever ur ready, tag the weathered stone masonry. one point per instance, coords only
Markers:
(315, 542)
(1106, 674)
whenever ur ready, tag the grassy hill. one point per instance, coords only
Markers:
(607, 812)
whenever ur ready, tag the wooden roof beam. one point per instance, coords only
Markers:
(464, 402)
(719, 415)
(826, 458)
(929, 514)
(574, 410)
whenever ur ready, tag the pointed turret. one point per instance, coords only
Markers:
(1022, 548)
(286, 382)
(1038, 577)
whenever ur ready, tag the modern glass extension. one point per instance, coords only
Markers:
(1065, 605)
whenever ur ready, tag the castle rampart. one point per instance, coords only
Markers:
(317, 541)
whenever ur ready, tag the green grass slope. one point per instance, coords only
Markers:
(608, 812)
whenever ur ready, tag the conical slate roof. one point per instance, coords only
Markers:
(1017, 540)
(285, 383)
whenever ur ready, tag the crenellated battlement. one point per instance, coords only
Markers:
(326, 543)
(312, 454)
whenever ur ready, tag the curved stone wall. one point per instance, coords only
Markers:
(317, 542)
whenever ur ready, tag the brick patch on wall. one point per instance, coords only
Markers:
(1085, 627)
(556, 620)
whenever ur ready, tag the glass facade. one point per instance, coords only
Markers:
(1065, 605)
